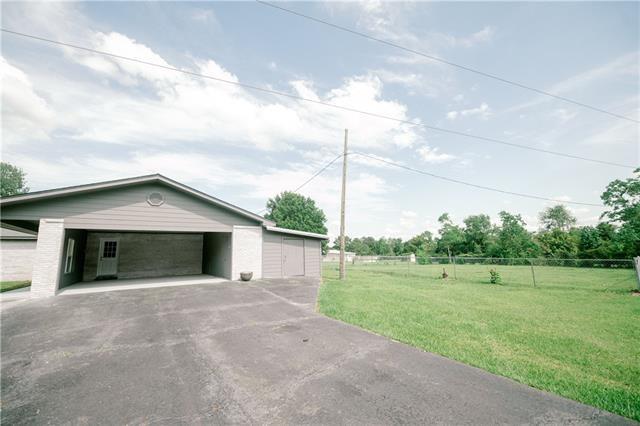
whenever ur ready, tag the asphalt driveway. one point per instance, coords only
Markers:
(239, 353)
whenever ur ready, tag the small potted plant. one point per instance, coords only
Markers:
(246, 276)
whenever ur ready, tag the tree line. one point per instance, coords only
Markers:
(616, 236)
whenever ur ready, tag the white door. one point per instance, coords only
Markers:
(293, 257)
(108, 257)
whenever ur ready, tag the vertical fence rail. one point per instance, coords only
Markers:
(533, 272)
(455, 274)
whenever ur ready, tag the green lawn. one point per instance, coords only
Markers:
(576, 334)
(12, 285)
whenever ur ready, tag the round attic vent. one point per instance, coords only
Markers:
(155, 199)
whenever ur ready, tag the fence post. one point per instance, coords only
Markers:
(533, 274)
(455, 276)
(636, 266)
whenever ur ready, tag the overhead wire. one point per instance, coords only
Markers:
(319, 102)
(470, 184)
(315, 175)
(447, 62)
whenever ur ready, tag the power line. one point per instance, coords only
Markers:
(488, 188)
(315, 175)
(318, 102)
(444, 61)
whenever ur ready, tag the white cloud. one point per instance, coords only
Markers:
(387, 20)
(563, 115)
(183, 108)
(619, 131)
(129, 72)
(24, 112)
(562, 198)
(203, 15)
(433, 156)
(485, 35)
(624, 65)
(417, 83)
(393, 21)
(408, 219)
(483, 111)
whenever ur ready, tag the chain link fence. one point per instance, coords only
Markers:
(594, 274)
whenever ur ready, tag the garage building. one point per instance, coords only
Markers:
(150, 226)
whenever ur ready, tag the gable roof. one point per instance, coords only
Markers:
(112, 184)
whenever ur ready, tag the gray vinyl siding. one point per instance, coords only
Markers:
(147, 255)
(271, 255)
(17, 259)
(126, 209)
(312, 257)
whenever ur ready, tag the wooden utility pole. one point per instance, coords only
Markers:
(342, 203)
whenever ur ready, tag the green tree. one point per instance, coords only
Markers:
(12, 180)
(451, 237)
(589, 243)
(294, 211)
(557, 217)
(360, 247)
(478, 233)
(420, 245)
(397, 246)
(558, 244)
(383, 247)
(513, 239)
(622, 197)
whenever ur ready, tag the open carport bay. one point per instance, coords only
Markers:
(100, 255)
(239, 353)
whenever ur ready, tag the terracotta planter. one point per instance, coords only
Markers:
(246, 276)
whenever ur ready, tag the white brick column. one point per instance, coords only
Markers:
(246, 251)
(47, 264)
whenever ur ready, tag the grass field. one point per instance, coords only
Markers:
(576, 334)
(12, 285)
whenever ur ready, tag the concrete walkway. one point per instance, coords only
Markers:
(233, 352)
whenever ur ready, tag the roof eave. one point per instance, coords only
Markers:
(295, 232)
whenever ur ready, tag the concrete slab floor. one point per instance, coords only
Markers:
(138, 283)
(255, 353)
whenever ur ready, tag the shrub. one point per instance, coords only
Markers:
(494, 277)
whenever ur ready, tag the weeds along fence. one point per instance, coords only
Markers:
(597, 274)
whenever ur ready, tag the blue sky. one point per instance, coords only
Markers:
(71, 117)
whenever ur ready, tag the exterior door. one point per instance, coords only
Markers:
(293, 257)
(108, 257)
